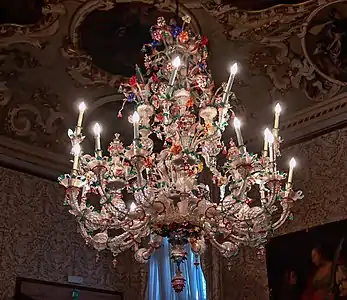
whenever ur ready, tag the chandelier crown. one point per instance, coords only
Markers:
(178, 105)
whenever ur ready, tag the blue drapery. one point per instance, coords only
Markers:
(161, 271)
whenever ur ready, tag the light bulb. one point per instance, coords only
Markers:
(237, 123)
(233, 69)
(278, 108)
(132, 206)
(82, 107)
(270, 138)
(97, 129)
(176, 62)
(136, 117)
(292, 163)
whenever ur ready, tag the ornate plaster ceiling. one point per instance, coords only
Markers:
(258, 4)
(85, 48)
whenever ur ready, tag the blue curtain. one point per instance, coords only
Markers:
(162, 270)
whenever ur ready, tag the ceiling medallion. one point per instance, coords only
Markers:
(323, 39)
(99, 27)
(177, 103)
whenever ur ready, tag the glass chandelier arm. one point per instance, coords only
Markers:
(227, 249)
(71, 197)
(135, 225)
(272, 196)
(242, 237)
(284, 216)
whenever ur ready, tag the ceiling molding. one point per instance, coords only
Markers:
(310, 121)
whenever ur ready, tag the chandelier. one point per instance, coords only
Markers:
(179, 108)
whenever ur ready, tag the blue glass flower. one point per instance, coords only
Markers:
(155, 44)
(202, 66)
(175, 30)
(131, 97)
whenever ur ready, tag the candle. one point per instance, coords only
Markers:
(82, 107)
(76, 150)
(237, 126)
(135, 120)
(271, 139)
(278, 110)
(176, 64)
(97, 131)
(266, 142)
(233, 71)
(292, 164)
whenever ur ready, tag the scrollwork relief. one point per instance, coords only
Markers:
(37, 120)
(29, 113)
(47, 26)
(278, 42)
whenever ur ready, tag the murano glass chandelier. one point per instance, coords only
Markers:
(179, 108)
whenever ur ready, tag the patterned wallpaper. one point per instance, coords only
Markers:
(321, 174)
(38, 239)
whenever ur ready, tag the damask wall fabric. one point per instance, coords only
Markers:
(38, 239)
(321, 174)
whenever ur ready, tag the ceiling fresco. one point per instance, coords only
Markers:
(67, 50)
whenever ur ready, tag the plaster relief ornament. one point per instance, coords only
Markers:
(178, 103)
(48, 25)
(287, 42)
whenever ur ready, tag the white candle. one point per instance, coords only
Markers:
(97, 131)
(266, 141)
(176, 64)
(292, 164)
(278, 110)
(76, 150)
(233, 71)
(271, 140)
(136, 119)
(237, 126)
(82, 107)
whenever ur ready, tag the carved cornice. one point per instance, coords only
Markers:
(316, 118)
(83, 70)
(33, 34)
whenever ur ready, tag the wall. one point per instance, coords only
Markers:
(321, 174)
(38, 239)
